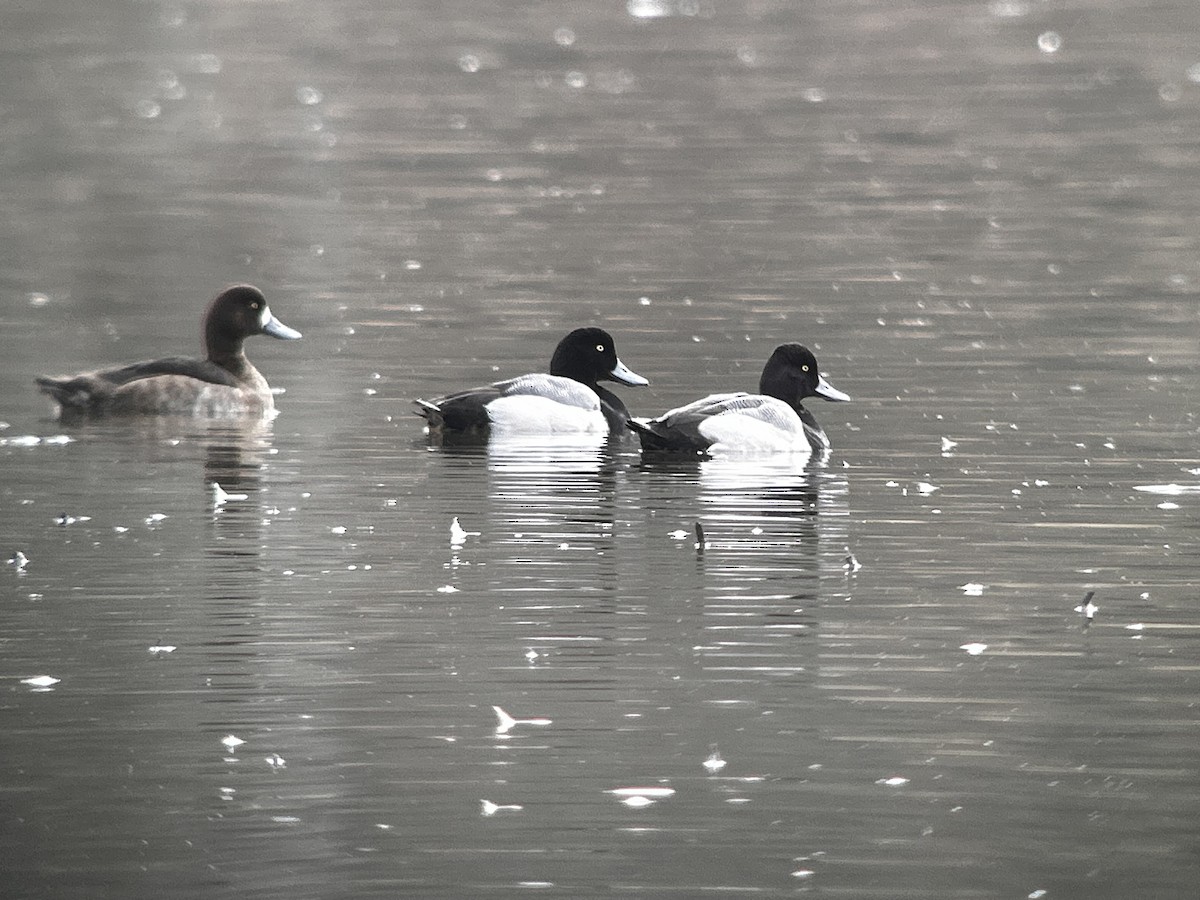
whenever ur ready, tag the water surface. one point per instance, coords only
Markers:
(978, 215)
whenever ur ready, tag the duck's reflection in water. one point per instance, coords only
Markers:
(544, 571)
(234, 570)
(552, 512)
(234, 458)
(768, 548)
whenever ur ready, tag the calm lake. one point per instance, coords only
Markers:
(874, 679)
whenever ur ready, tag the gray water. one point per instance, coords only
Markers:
(981, 216)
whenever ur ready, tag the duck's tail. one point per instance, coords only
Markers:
(70, 393)
(652, 441)
(430, 412)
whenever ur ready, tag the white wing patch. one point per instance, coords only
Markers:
(546, 404)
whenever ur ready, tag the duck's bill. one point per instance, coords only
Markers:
(622, 373)
(276, 329)
(828, 391)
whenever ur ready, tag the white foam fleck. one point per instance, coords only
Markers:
(638, 801)
(505, 722)
(972, 588)
(1171, 489)
(657, 793)
(221, 496)
(894, 781)
(974, 648)
(1049, 41)
(458, 534)
(648, 9)
(488, 808)
(231, 742)
(41, 681)
(147, 109)
(308, 96)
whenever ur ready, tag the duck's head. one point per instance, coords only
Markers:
(588, 356)
(237, 313)
(791, 375)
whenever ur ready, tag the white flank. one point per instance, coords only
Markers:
(734, 432)
(529, 414)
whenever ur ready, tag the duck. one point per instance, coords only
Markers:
(567, 401)
(223, 384)
(773, 420)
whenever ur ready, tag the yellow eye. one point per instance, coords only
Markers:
(600, 347)
(804, 368)
(254, 304)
